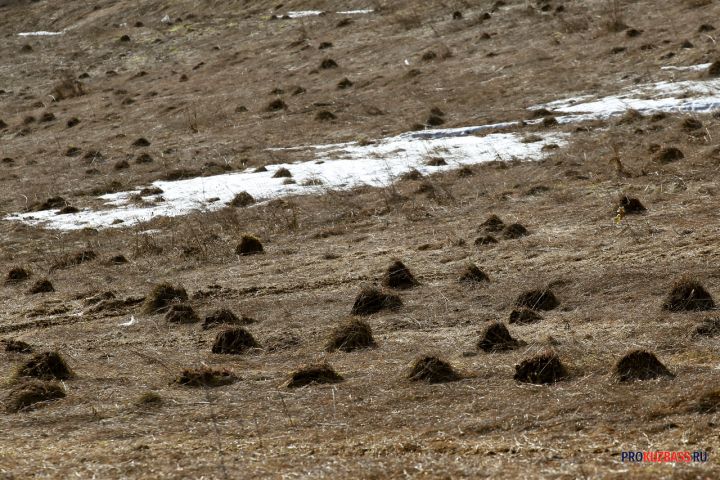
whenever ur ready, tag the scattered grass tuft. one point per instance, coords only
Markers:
(398, 276)
(45, 366)
(372, 300)
(432, 370)
(353, 335)
(313, 374)
(28, 393)
(181, 313)
(544, 368)
(205, 377)
(473, 274)
(496, 338)
(640, 365)
(688, 295)
(539, 299)
(224, 316)
(234, 341)
(249, 245)
(162, 296)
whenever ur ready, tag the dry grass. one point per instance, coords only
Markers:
(611, 279)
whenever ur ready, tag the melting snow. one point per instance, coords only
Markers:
(685, 96)
(344, 166)
(339, 166)
(305, 13)
(315, 13)
(39, 34)
(690, 68)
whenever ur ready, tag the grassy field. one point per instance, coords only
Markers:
(142, 392)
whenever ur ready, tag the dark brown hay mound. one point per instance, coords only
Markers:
(234, 341)
(412, 174)
(537, 300)
(162, 296)
(432, 370)
(465, 171)
(631, 205)
(242, 199)
(282, 172)
(714, 69)
(514, 230)
(117, 260)
(524, 316)
(144, 158)
(473, 274)
(328, 63)
(640, 365)
(17, 275)
(141, 142)
(436, 162)
(690, 124)
(437, 111)
(206, 377)
(485, 240)
(496, 338)
(544, 368)
(51, 203)
(435, 121)
(710, 327)
(28, 393)
(708, 402)
(325, 116)
(224, 316)
(181, 313)
(43, 285)
(345, 83)
(46, 366)
(371, 300)
(354, 335)
(492, 224)
(687, 295)
(276, 105)
(17, 346)
(249, 245)
(398, 276)
(322, 373)
(68, 210)
(669, 154)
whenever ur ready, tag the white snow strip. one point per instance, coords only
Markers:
(697, 96)
(129, 323)
(305, 13)
(690, 68)
(342, 166)
(40, 34)
(315, 13)
(356, 12)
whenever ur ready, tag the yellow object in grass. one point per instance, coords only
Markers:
(620, 215)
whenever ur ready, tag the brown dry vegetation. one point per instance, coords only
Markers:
(198, 91)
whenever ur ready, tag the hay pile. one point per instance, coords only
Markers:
(432, 369)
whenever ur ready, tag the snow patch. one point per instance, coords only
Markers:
(337, 166)
(315, 13)
(40, 34)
